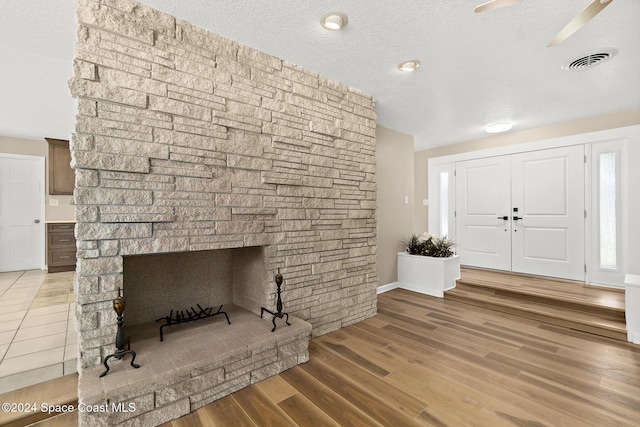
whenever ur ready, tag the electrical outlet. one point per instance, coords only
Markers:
(406, 200)
(53, 202)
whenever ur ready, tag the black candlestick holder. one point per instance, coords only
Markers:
(279, 314)
(121, 341)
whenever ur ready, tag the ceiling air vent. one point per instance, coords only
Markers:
(590, 60)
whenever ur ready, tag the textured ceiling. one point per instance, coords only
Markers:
(476, 68)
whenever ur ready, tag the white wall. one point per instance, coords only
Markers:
(633, 232)
(36, 101)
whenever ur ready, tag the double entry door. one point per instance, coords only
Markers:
(523, 212)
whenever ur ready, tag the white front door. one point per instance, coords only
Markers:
(21, 213)
(548, 192)
(483, 206)
(523, 213)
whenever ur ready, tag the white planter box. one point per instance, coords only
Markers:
(427, 275)
(632, 307)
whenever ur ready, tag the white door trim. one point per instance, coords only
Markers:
(595, 274)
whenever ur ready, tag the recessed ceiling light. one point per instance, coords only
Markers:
(409, 65)
(498, 127)
(334, 21)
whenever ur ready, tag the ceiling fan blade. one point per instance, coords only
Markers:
(494, 4)
(579, 20)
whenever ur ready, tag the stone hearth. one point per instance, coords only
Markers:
(196, 364)
(186, 141)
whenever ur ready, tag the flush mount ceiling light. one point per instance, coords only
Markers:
(334, 21)
(409, 65)
(498, 127)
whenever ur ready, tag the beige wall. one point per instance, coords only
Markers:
(65, 211)
(421, 174)
(395, 180)
(592, 124)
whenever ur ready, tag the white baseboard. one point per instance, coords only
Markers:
(388, 287)
(606, 285)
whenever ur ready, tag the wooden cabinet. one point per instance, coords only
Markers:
(61, 247)
(61, 176)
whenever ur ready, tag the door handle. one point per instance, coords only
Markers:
(515, 218)
(504, 218)
(36, 221)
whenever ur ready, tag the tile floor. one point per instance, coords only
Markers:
(38, 338)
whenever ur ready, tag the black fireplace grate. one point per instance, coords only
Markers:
(191, 315)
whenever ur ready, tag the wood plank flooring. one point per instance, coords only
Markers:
(59, 391)
(433, 362)
(568, 291)
(565, 303)
(424, 361)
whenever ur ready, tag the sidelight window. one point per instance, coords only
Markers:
(608, 210)
(608, 223)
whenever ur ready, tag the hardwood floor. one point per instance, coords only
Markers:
(571, 304)
(424, 361)
(434, 362)
(568, 291)
(59, 391)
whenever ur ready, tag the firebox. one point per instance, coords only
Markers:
(157, 284)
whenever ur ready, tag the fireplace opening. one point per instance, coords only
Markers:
(183, 284)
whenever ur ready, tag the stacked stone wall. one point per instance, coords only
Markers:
(189, 141)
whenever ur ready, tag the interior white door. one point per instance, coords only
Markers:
(483, 205)
(21, 213)
(548, 194)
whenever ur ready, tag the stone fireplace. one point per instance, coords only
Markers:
(199, 149)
